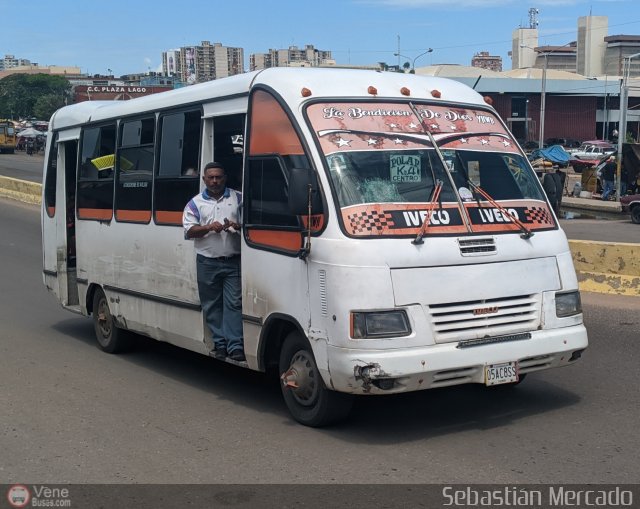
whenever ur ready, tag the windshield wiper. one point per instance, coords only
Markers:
(526, 233)
(427, 219)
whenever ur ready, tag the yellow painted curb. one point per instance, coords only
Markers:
(21, 190)
(607, 267)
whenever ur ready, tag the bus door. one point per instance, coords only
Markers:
(59, 220)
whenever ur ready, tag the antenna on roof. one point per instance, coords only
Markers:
(533, 17)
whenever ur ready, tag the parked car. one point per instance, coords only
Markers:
(631, 204)
(566, 143)
(589, 154)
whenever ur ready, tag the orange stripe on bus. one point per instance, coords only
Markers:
(101, 214)
(168, 217)
(139, 216)
(288, 241)
(271, 128)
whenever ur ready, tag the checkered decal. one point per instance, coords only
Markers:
(537, 215)
(361, 222)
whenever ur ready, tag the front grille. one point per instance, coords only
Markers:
(484, 318)
(477, 246)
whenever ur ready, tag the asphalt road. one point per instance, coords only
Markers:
(72, 414)
(21, 166)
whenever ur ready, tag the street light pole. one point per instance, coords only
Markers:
(413, 64)
(543, 98)
(403, 56)
(413, 61)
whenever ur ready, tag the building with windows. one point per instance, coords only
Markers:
(619, 47)
(483, 60)
(559, 58)
(197, 64)
(576, 107)
(10, 61)
(291, 57)
(593, 54)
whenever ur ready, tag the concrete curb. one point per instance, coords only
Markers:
(621, 260)
(610, 207)
(21, 190)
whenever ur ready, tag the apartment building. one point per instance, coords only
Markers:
(290, 57)
(10, 61)
(483, 60)
(206, 62)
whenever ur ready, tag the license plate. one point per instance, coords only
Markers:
(505, 373)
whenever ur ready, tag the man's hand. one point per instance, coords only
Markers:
(216, 227)
(230, 225)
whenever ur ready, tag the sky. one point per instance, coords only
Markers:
(129, 36)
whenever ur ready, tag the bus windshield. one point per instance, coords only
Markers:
(379, 154)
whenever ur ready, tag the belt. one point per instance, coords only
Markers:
(225, 258)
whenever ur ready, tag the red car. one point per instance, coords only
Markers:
(631, 204)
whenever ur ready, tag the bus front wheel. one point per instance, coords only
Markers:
(304, 391)
(110, 338)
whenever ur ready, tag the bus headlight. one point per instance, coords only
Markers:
(568, 304)
(379, 324)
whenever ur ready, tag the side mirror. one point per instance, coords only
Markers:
(299, 181)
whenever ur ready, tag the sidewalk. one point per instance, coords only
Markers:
(591, 204)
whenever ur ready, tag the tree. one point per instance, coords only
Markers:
(46, 105)
(20, 93)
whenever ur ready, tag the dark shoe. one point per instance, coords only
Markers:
(219, 352)
(237, 355)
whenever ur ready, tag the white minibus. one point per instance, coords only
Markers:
(394, 235)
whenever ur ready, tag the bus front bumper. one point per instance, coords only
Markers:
(362, 371)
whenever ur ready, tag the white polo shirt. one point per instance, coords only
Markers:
(203, 210)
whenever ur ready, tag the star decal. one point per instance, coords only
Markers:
(434, 126)
(463, 140)
(371, 141)
(398, 141)
(506, 143)
(453, 128)
(484, 142)
(413, 126)
(393, 126)
(343, 143)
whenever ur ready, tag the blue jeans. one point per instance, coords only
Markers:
(607, 189)
(220, 292)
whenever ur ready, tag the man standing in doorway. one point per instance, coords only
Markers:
(212, 219)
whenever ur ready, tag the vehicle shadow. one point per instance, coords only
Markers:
(391, 419)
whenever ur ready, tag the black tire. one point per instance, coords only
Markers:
(110, 338)
(635, 214)
(304, 391)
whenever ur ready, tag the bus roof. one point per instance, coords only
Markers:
(287, 81)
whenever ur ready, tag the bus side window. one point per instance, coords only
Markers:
(95, 176)
(134, 170)
(268, 194)
(177, 173)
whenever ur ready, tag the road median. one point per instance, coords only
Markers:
(607, 267)
(21, 190)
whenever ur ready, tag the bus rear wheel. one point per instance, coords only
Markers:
(304, 391)
(110, 338)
